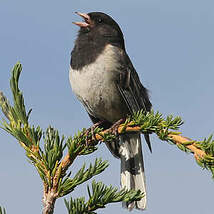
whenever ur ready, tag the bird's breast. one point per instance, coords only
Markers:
(95, 86)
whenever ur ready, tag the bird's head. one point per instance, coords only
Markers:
(100, 25)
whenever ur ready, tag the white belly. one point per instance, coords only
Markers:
(95, 86)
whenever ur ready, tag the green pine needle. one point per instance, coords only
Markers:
(99, 196)
(68, 184)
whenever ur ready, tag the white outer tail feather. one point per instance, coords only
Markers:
(132, 168)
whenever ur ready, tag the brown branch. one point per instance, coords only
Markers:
(49, 199)
(177, 139)
(50, 196)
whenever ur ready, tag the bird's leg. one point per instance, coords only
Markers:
(94, 127)
(91, 129)
(115, 126)
(86, 136)
(97, 124)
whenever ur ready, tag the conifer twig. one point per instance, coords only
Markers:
(51, 163)
(178, 139)
(184, 143)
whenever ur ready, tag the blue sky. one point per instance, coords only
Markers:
(171, 46)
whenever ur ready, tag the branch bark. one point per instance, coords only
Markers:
(177, 139)
(49, 199)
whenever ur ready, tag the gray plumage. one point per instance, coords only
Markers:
(106, 83)
(132, 167)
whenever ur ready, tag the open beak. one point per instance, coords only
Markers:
(87, 20)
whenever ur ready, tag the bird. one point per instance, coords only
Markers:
(105, 81)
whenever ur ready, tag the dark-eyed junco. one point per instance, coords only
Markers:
(104, 80)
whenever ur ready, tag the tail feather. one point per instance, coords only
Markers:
(132, 168)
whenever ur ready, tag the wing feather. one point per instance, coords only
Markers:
(131, 89)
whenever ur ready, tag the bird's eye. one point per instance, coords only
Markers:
(99, 20)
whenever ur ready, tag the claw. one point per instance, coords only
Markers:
(116, 125)
(91, 129)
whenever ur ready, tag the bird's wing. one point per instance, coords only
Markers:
(133, 92)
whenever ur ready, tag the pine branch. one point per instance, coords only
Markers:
(50, 161)
(47, 158)
(68, 184)
(99, 196)
(165, 129)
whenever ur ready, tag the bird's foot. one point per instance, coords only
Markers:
(91, 130)
(115, 127)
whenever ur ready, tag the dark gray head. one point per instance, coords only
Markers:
(96, 31)
(98, 25)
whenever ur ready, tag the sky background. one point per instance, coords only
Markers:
(171, 46)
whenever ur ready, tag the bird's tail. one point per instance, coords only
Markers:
(132, 168)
